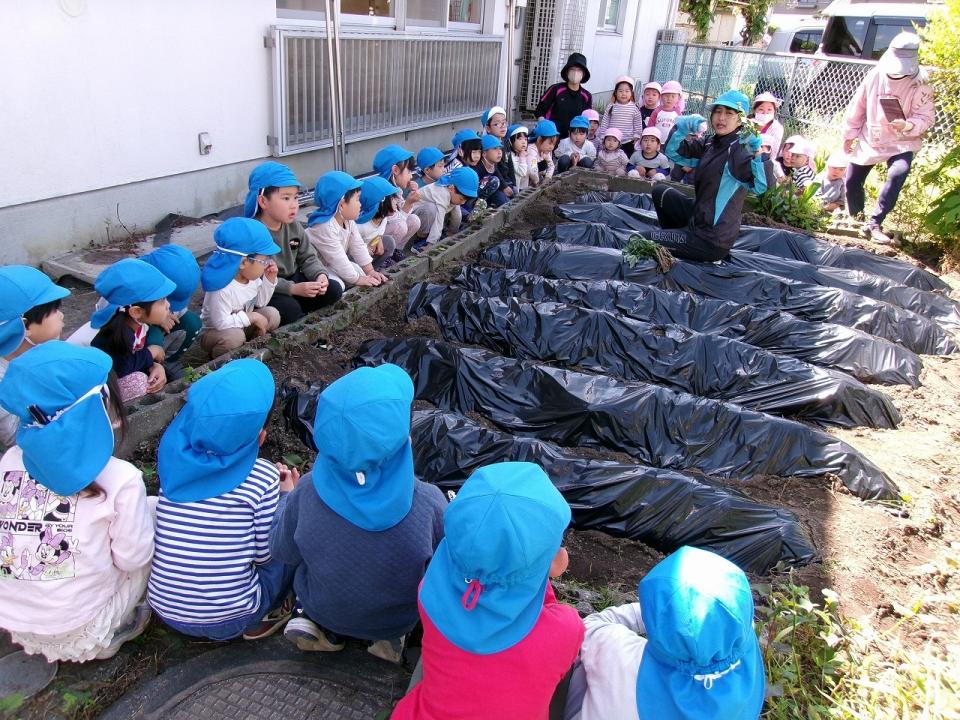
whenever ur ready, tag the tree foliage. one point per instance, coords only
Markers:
(701, 13)
(755, 18)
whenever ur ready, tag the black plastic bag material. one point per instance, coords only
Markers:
(661, 508)
(931, 305)
(656, 426)
(811, 302)
(675, 357)
(867, 358)
(795, 245)
(298, 404)
(617, 217)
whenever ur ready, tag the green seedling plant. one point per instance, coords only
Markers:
(782, 204)
(639, 249)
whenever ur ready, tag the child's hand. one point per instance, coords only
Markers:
(271, 272)
(158, 353)
(259, 322)
(308, 289)
(413, 187)
(156, 378)
(412, 198)
(168, 323)
(508, 191)
(289, 477)
(368, 280)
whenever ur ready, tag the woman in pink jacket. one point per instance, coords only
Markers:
(874, 130)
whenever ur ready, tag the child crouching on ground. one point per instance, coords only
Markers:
(213, 575)
(611, 159)
(496, 643)
(832, 191)
(74, 576)
(360, 528)
(396, 166)
(30, 303)
(545, 137)
(440, 199)
(593, 135)
(466, 150)
(431, 166)
(574, 150)
(700, 659)
(494, 188)
(238, 280)
(802, 153)
(136, 298)
(332, 229)
(648, 161)
(378, 199)
(177, 334)
(524, 171)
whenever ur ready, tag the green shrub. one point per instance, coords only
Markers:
(782, 204)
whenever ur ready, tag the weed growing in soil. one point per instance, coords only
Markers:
(823, 665)
(782, 204)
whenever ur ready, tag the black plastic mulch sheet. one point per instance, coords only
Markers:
(865, 357)
(657, 426)
(796, 246)
(661, 508)
(929, 304)
(812, 302)
(670, 355)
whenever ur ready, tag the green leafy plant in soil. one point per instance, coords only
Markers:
(640, 248)
(783, 204)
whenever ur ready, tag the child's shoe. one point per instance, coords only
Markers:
(389, 650)
(398, 256)
(307, 635)
(272, 621)
(128, 632)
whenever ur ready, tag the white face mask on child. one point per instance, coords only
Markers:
(763, 118)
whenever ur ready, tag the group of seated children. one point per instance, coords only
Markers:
(238, 546)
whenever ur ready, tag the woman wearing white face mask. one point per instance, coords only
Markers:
(885, 122)
(563, 101)
(765, 106)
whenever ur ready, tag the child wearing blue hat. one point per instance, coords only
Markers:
(494, 187)
(575, 150)
(303, 283)
(238, 281)
(439, 199)
(77, 526)
(332, 229)
(396, 165)
(378, 198)
(466, 149)
(213, 575)
(135, 297)
(360, 528)
(686, 651)
(496, 643)
(431, 166)
(545, 137)
(523, 170)
(494, 121)
(728, 165)
(182, 326)
(29, 315)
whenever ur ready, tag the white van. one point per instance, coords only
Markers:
(863, 30)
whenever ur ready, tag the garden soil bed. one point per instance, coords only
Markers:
(896, 571)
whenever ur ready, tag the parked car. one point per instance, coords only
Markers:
(863, 30)
(776, 70)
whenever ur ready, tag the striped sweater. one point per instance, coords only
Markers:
(626, 118)
(206, 551)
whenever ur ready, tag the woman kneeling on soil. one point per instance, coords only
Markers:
(728, 165)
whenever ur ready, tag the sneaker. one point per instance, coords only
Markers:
(419, 247)
(128, 632)
(876, 234)
(307, 635)
(272, 621)
(398, 256)
(389, 650)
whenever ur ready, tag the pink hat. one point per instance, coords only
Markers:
(652, 132)
(767, 97)
(672, 86)
(613, 132)
(591, 114)
(653, 86)
(802, 146)
(624, 78)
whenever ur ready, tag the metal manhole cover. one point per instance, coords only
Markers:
(269, 695)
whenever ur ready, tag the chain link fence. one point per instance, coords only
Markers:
(815, 90)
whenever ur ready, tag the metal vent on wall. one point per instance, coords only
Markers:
(553, 30)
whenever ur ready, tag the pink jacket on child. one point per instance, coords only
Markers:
(865, 121)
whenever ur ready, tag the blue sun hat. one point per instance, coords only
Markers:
(485, 586)
(428, 156)
(57, 390)
(387, 157)
(702, 660)
(373, 191)
(126, 282)
(22, 288)
(327, 194)
(464, 179)
(733, 99)
(546, 129)
(517, 129)
(580, 122)
(364, 465)
(268, 174)
(236, 239)
(489, 142)
(179, 265)
(213, 442)
(460, 136)
(488, 114)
